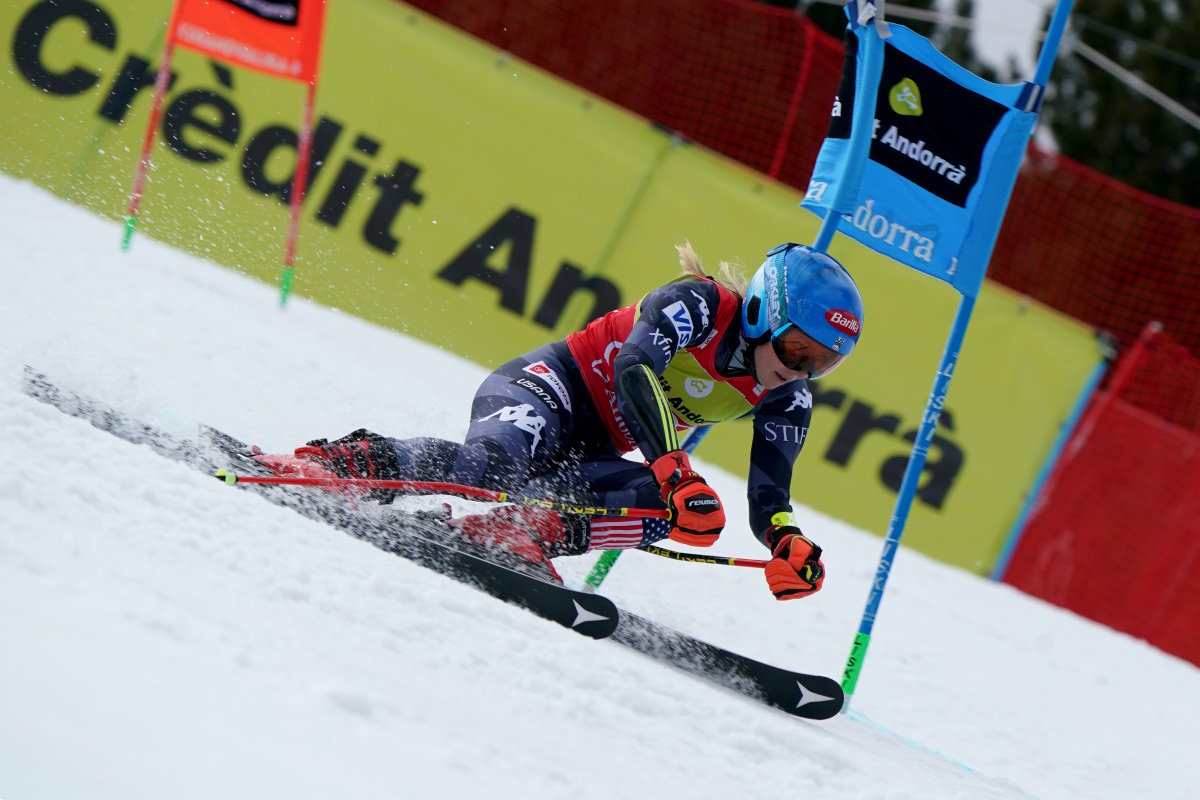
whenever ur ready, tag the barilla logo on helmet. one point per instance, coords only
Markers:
(843, 320)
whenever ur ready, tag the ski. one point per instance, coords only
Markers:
(396, 532)
(412, 536)
(798, 693)
(810, 696)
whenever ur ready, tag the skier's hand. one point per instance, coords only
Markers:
(696, 513)
(795, 569)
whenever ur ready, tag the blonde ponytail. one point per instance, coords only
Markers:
(729, 275)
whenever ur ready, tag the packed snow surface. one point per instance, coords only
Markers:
(164, 635)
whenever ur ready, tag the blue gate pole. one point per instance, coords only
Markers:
(908, 490)
(937, 397)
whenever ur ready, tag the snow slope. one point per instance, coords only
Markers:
(165, 636)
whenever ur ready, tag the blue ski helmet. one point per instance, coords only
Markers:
(798, 286)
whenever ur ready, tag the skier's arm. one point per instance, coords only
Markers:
(780, 428)
(669, 319)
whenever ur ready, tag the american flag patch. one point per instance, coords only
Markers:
(615, 533)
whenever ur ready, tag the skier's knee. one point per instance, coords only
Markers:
(502, 469)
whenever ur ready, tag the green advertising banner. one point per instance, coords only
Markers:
(473, 201)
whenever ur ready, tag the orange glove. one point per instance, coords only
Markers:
(795, 569)
(696, 513)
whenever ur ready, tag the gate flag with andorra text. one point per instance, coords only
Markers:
(277, 37)
(918, 165)
(945, 149)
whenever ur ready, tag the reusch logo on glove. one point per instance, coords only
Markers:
(703, 504)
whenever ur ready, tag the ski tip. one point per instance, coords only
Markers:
(226, 477)
(596, 617)
(817, 697)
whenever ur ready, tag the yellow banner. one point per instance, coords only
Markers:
(480, 204)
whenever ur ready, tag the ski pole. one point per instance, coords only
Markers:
(438, 487)
(476, 493)
(700, 558)
(608, 558)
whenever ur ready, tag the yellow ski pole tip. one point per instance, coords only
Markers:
(227, 477)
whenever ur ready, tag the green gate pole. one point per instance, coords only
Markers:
(609, 557)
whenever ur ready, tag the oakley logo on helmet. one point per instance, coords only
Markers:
(843, 320)
(771, 279)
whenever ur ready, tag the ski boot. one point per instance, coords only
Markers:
(360, 454)
(524, 538)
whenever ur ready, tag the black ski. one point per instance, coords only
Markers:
(409, 535)
(412, 536)
(810, 696)
(589, 614)
(797, 693)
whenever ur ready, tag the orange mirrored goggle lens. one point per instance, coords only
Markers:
(799, 353)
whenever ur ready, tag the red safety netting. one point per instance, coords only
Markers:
(1101, 251)
(750, 81)
(755, 83)
(1116, 533)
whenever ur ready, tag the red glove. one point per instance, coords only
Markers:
(696, 513)
(795, 569)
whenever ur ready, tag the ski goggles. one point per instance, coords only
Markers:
(800, 353)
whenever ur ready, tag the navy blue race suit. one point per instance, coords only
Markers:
(555, 421)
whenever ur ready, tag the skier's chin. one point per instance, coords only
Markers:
(774, 380)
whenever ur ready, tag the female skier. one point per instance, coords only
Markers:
(556, 421)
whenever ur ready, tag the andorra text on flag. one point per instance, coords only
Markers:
(944, 152)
